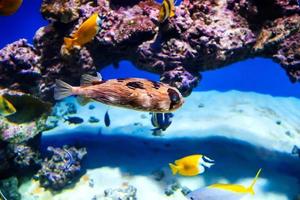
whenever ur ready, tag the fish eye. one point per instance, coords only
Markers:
(174, 96)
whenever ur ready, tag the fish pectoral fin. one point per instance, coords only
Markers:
(83, 100)
(174, 168)
(87, 79)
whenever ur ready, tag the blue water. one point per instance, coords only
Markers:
(140, 155)
(258, 75)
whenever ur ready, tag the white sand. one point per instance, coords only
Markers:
(263, 121)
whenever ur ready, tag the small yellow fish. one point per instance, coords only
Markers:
(6, 107)
(191, 165)
(166, 11)
(86, 32)
(85, 178)
(9, 7)
(221, 191)
(38, 190)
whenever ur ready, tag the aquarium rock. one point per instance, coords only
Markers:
(181, 79)
(126, 192)
(19, 66)
(203, 35)
(62, 168)
(24, 156)
(9, 189)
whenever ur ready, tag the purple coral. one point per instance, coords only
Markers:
(181, 79)
(203, 35)
(24, 156)
(62, 168)
(19, 66)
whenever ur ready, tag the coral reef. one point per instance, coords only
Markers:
(126, 192)
(62, 168)
(9, 188)
(23, 156)
(19, 66)
(203, 35)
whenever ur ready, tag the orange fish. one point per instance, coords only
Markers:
(133, 93)
(37, 190)
(167, 10)
(9, 7)
(85, 178)
(86, 32)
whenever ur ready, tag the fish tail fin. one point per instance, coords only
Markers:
(250, 188)
(69, 42)
(62, 90)
(174, 168)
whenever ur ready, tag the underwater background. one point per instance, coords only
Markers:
(245, 116)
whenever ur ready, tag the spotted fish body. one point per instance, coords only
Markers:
(133, 93)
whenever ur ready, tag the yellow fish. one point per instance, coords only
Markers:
(85, 33)
(9, 7)
(191, 165)
(6, 108)
(221, 191)
(167, 10)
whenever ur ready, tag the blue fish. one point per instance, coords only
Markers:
(161, 121)
(74, 120)
(107, 119)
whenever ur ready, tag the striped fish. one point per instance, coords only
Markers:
(167, 10)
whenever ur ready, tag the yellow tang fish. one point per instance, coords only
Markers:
(85, 33)
(6, 108)
(9, 7)
(221, 191)
(167, 10)
(133, 93)
(191, 165)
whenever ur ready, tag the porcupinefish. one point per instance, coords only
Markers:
(133, 93)
(6, 107)
(9, 7)
(166, 11)
(221, 191)
(85, 33)
(191, 165)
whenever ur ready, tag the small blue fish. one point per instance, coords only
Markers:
(107, 119)
(74, 120)
(296, 151)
